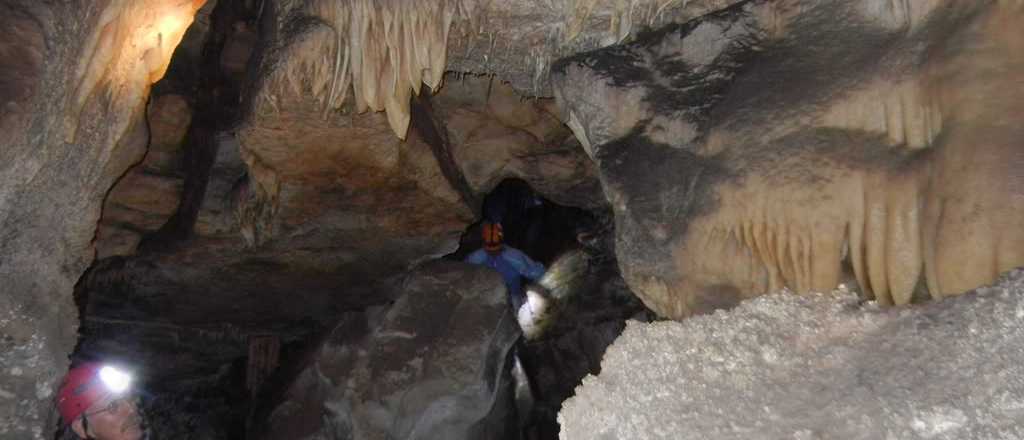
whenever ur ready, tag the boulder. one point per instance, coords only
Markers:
(435, 364)
(814, 367)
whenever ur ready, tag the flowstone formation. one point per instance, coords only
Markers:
(800, 144)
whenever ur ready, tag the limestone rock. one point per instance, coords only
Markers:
(742, 152)
(307, 165)
(713, 140)
(146, 196)
(522, 39)
(374, 56)
(169, 117)
(495, 134)
(218, 214)
(399, 374)
(814, 366)
(74, 78)
(238, 49)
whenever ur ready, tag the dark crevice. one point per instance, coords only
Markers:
(200, 152)
(530, 222)
(295, 358)
(216, 108)
(435, 134)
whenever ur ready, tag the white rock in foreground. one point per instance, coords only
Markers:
(815, 367)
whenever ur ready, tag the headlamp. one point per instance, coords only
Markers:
(115, 379)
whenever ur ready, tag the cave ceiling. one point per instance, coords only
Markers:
(310, 189)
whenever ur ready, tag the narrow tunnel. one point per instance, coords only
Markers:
(530, 222)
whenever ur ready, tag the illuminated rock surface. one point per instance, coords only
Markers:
(816, 366)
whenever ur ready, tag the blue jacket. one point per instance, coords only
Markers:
(511, 263)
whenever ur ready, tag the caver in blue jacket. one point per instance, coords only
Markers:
(510, 262)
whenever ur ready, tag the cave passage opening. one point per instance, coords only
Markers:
(532, 223)
(590, 309)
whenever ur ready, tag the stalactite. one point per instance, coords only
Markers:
(386, 50)
(904, 112)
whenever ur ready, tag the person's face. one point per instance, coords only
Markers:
(113, 418)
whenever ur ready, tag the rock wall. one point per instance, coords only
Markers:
(74, 79)
(752, 149)
(496, 133)
(148, 194)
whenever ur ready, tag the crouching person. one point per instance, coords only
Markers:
(96, 402)
(511, 263)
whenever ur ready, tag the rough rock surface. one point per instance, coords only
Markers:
(386, 52)
(495, 133)
(191, 374)
(74, 80)
(145, 197)
(432, 365)
(818, 366)
(343, 174)
(769, 144)
(521, 39)
(148, 194)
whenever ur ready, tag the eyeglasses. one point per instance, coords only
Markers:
(113, 406)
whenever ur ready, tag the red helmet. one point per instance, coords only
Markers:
(87, 384)
(492, 236)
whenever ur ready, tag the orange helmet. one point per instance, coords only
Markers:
(492, 236)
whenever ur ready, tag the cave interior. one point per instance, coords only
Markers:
(264, 207)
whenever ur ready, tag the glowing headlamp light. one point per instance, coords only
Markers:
(116, 380)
